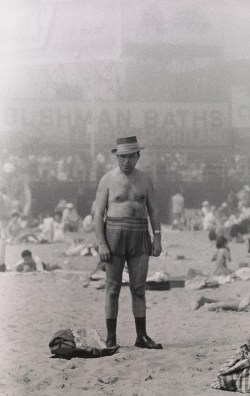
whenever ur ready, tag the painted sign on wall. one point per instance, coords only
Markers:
(163, 123)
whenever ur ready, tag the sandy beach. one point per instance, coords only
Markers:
(33, 306)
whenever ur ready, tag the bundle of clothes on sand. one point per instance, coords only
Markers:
(234, 374)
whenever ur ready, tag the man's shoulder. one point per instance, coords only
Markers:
(104, 178)
(145, 180)
(108, 177)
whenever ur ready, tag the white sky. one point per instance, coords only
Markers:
(43, 29)
(40, 32)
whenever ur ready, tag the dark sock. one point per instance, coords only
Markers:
(140, 325)
(111, 328)
(143, 340)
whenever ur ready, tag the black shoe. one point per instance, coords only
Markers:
(111, 342)
(146, 342)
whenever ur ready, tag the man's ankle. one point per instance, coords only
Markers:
(111, 341)
(140, 324)
(111, 328)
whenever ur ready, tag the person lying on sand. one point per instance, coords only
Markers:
(212, 304)
(30, 263)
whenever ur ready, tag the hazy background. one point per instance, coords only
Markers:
(124, 51)
(57, 29)
(74, 75)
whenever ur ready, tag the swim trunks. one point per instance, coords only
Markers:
(128, 236)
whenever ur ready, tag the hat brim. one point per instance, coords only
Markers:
(129, 151)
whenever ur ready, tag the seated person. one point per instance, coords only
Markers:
(52, 229)
(58, 227)
(71, 218)
(45, 230)
(14, 228)
(222, 256)
(17, 230)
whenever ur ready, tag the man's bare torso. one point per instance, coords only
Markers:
(127, 194)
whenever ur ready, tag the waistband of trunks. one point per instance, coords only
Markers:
(132, 223)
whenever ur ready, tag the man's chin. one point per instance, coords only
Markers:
(126, 170)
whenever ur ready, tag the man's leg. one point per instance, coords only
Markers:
(202, 301)
(114, 271)
(26, 235)
(138, 270)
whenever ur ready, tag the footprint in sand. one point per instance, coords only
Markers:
(120, 360)
(108, 380)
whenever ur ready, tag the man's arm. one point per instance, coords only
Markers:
(100, 208)
(154, 218)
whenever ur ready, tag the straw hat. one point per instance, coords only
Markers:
(126, 145)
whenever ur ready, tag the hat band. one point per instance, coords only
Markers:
(127, 147)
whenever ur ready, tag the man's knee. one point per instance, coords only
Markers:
(113, 288)
(138, 290)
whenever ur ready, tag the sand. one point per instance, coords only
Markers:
(34, 306)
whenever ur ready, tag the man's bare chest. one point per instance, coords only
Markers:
(128, 191)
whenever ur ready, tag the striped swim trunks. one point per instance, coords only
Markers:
(128, 236)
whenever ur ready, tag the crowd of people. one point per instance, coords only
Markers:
(229, 219)
(81, 167)
(52, 228)
(184, 168)
(78, 167)
(27, 181)
(179, 167)
(16, 200)
(21, 229)
(238, 169)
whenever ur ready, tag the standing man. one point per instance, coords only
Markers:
(125, 198)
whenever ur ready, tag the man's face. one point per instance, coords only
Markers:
(127, 162)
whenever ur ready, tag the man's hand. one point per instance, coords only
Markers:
(104, 253)
(156, 246)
